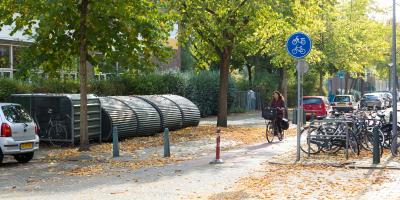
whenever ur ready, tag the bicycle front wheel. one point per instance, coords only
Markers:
(269, 132)
(57, 134)
(354, 144)
(308, 136)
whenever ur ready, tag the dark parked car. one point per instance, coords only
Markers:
(372, 100)
(317, 105)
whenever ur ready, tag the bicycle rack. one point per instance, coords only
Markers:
(328, 137)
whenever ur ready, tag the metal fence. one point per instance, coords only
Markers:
(247, 100)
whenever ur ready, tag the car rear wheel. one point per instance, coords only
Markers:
(24, 158)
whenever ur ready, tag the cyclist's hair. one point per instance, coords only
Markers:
(279, 95)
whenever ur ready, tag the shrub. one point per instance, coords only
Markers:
(202, 89)
(152, 84)
(113, 87)
(55, 86)
(11, 86)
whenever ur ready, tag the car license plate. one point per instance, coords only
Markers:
(341, 104)
(26, 145)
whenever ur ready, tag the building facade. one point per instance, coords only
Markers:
(9, 56)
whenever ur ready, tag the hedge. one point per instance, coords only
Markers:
(200, 88)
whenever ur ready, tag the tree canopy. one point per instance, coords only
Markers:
(130, 32)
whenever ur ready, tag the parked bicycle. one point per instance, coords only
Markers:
(56, 131)
(330, 135)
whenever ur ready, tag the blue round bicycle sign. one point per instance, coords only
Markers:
(299, 45)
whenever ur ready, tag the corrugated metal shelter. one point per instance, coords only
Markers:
(117, 113)
(63, 109)
(146, 115)
(190, 112)
(170, 113)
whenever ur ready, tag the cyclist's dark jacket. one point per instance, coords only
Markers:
(280, 103)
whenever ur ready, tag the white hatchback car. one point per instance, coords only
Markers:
(18, 133)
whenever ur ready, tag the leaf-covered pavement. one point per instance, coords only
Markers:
(143, 152)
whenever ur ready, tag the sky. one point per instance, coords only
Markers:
(388, 4)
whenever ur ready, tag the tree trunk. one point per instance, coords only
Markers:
(223, 88)
(280, 83)
(346, 83)
(390, 79)
(352, 82)
(249, 71)
(362, 86)
(321, 82)
(284, 84)
(84, 138)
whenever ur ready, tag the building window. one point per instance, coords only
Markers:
(4, 56)
(5, 74)
(16, 56)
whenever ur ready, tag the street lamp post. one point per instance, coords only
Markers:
(394, 83)
(390, 77)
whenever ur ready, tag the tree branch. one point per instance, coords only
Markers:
(211, 42)
(211, 11)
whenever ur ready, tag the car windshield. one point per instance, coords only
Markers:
(370, 97)
(312, 101)
(342, 99)
(16, 114)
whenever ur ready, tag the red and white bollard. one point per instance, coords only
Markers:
(217, 160)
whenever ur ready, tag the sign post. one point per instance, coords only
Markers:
(394, 145)
(299, 46)
(341, 74)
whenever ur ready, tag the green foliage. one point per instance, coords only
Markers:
(154, 84)
(12, 86)
(55, 86)
(130, 32)
(188, 63)
(113, 87)
(237, 110)
(128, 84)
(202, 90)
(213, 26)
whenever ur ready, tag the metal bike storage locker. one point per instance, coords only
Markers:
(170, 112)
(64, 109)
(190, 112)
(146, 115)
(117, 113)
(131, 116)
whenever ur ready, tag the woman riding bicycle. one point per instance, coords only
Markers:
(278, 102)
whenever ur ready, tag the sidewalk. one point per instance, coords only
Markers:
(248, 119)
(319, 177)
(253, 169)
(190, 179)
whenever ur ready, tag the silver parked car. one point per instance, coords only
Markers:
(18, 136)
(344, 103)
